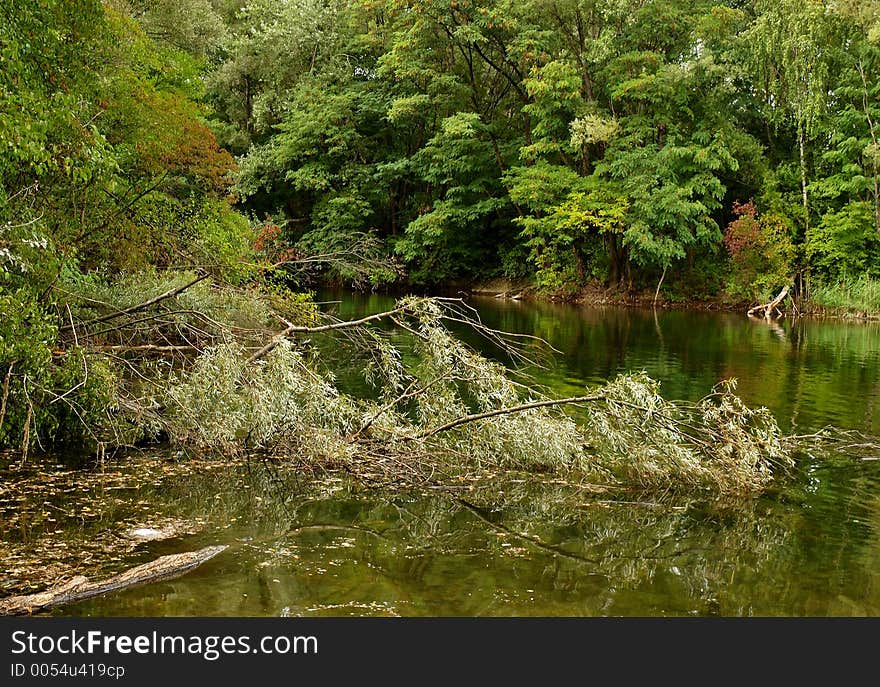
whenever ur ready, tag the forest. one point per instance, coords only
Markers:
(180, 178)
(733, 146)
(177, 176)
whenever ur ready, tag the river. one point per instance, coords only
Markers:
(315, 544)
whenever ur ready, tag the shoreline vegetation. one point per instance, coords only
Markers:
(176, 175)
(846, 300)
(205, 367)
(158, 242)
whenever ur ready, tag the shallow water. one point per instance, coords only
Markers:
(316, 545)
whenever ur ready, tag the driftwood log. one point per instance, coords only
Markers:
(79, 588)
(768, 308)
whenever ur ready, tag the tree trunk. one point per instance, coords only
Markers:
(582, 269)
(768, 308)
(805, 197)
(617, 256)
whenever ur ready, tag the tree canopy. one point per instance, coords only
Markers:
(569, 141)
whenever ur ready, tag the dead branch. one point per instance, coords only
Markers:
(500, 338)
(79, 588)
(140, 306)
(298, 329)
(167, 314)
(768, 308)
(360, 259)
(659, 284)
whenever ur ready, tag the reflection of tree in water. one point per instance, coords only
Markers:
(305, 545)
(632, 543)
(476, 552)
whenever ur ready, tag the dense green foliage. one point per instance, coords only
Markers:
(726, 148)
(108, 164)
(564, 142)
(568, 141)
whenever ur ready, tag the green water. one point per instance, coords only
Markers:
(314, 544)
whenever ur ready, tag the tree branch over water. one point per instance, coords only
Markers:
(299, 329)
(506, 411)
(215, 385)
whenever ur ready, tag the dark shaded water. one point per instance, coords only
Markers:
(324, 547)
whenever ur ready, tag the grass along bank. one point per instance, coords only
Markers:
(851, 298)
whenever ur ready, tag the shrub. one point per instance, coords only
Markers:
(761, 253)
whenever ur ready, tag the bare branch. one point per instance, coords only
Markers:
(299, 329)
(140, 306)
(768, 308)
(506, 411)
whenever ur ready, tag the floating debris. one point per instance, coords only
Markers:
(166, 530)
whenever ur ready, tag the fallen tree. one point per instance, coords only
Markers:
(193, 371)
(768, 309)
(445, 410)
(79, 588)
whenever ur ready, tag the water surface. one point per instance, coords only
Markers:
(314, 544)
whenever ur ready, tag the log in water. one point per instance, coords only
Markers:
(79, 587)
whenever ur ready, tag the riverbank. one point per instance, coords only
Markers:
(833, 302)
(595, 294)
